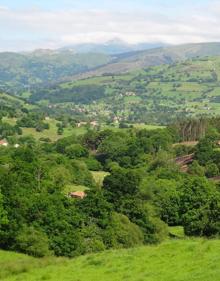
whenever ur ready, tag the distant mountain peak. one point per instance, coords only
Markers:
(111, 47)
(116, 41)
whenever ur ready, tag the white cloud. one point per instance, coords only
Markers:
(27, 29)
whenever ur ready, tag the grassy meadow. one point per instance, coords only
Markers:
(173, 260)
(52, 132)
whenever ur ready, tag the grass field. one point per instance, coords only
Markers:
(99, 177)
(51, 133)
(74, 187)
(174, 260)
(148, 127)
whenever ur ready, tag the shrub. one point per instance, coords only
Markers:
(93, 164)
(126, 233)
(76, 151)
(32, 242)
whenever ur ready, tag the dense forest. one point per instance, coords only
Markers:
(144, 191)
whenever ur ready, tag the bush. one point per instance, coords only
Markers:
(196, 170)
(81, 174)
(76, 151)
(92, 240)
(32, 242)
(93, 164)
(211, 170)
(67, 242)
(200, 207)
(126, 233)
(161, 229)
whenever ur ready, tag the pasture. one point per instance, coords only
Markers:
(173, 260)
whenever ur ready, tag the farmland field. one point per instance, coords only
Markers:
(155, 94)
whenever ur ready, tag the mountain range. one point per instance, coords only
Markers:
(113, 47)
(131, 61)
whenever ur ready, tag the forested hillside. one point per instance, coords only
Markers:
(105, 189)
(20, 72)
(128, 62)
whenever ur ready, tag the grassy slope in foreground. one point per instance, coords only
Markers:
(176, 260)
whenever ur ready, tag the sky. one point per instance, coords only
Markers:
(32, 24)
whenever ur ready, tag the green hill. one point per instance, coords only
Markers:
(155, 94)
(194, 260)
(8, 100)
(165, 55)
(20, 72)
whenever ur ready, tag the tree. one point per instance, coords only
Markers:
(211, 170)
(126, 233)
(199, 207)
(196, 169)
(121, 183)
(3, 213)
(204, 151)
(76, 151)
(32, 242)
(164, 196)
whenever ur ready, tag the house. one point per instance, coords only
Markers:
(77, 194)
(3, 143)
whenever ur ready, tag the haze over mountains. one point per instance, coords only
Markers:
(113, 47)
(23, 71)
(165, 55)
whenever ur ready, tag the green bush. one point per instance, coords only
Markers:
(76, 151)
(93, 164)
(126, 233)
(32, 242)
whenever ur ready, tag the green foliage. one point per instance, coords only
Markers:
(19, 71)
(204, 151)
(121, 183)
(164, 195)
(81, 174)
(3, 213)
(196, 169)
(200, 207)
(130, 205)
(76, 151)
(126, 234)
(211, 170)
(93, 164)
(32, 242)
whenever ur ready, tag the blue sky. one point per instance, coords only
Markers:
(30, 24)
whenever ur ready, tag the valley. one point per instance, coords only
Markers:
(155, 95)
(113, 176)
